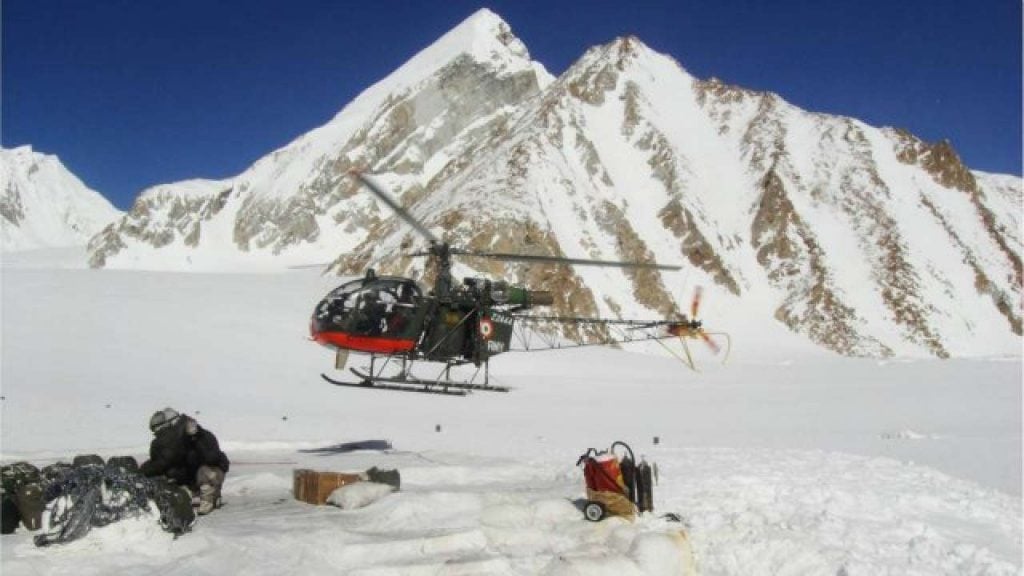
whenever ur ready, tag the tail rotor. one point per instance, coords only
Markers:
(692, 328)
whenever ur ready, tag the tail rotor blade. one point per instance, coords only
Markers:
(715, 348)
(698, 295)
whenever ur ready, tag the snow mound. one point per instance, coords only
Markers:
(358, 495)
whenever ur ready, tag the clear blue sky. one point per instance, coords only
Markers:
(131, 93)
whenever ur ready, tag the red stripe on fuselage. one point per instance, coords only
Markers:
(372, 344)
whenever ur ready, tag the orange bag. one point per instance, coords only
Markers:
(602, 474)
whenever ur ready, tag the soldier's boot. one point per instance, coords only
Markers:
(210, 480)
(208, 499)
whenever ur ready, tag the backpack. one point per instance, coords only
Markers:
(21, 487)
(390, 477)
(87, 460)
(175, 505)
(9, 516)
(124, 463)
(12, 476)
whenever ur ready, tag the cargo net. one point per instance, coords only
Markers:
(78, 499)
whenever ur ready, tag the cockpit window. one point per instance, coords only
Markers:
(380, 307)
(398, 289)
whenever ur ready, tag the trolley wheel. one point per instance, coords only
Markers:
(593, 511)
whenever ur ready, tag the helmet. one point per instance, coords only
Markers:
(162, 419)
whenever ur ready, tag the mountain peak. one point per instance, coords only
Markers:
(481, 30)
(43, 204)
(20, 154)
(483, 20)
(24, 150)
(623, 52)
(483, 36)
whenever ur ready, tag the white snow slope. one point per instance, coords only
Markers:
(42, 204)
(784, 461)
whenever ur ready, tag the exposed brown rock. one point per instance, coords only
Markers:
(192, 239)
(648, 289)
(993, 230)
(793, 260)
(593, 88)
(103, 245)
(942, 162)
(10, 205)
(665, 167)
(663, 161)
(631, 108)
(722, 93)
(900, 290)
(182, 219)
(763, 142)
(719, 100)
(982, 282)
(860, 196)
(694, 246)
(591, 159)
(597, 73)
(276, 224)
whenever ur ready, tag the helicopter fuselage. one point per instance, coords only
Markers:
(375, 314)
(390, 315)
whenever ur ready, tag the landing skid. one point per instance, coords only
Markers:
(383, 385)
(404, 381)
(432, 385)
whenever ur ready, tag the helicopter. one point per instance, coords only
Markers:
(392, 319)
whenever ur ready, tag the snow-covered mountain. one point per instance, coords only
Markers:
(424, 121)
(867, 241)
(44, 205)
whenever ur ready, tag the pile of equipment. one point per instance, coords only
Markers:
(62, 502)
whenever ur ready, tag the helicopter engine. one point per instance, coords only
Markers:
(501, 293)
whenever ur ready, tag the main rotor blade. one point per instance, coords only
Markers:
(386, 198)
(559, 260)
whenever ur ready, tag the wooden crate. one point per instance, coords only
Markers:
(314, 487)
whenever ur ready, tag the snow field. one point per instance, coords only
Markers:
(784, 461)
(746, 512)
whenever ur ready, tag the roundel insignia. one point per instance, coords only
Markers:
(486, 328)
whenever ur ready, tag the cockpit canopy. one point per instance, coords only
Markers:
(378, 307)
(387, 290)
